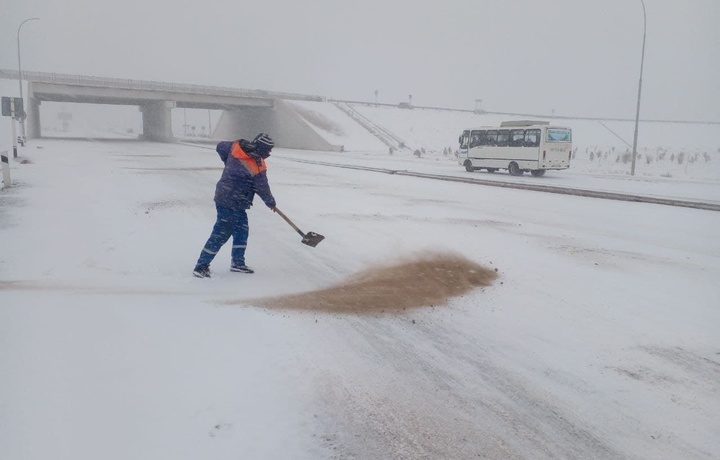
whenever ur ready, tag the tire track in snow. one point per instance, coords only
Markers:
(433, 392)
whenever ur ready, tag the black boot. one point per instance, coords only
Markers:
(202, 271)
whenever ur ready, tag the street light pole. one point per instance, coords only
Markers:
(20, 76)
(637, 113)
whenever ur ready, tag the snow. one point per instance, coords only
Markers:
(598, 340)
(337, 128)
(433, 128)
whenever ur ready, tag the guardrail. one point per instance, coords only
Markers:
(619, 196)
(533, 116)
(122, 83)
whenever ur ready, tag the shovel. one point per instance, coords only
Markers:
(310, 238)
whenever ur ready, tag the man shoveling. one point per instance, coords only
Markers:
(244, 175)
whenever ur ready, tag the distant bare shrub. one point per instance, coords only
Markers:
(672, 158)
(626, 157)
(574, 152)
(417, 153)
(706, 157)
(648, 159)
(667, 174)
(592, 156)
(680, 158)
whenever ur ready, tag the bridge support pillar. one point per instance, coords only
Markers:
(157, 121)
(281, 121)
(33, 129)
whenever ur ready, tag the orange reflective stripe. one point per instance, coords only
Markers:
(247, 161)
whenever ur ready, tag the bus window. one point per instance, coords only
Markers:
(532, 138)
(503, 138)
(490, 138)
(476, 138)
(517, 137)
(558, 135)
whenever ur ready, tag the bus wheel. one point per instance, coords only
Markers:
(491, 170)
(514, 169)
(538, 172)
(468, 166)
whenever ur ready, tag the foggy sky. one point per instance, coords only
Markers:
(576, 57)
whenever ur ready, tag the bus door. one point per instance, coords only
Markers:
(464, 140)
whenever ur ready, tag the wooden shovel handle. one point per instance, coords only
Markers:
(289, 222)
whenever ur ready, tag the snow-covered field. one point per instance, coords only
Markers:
(598, 339)
(674, 160)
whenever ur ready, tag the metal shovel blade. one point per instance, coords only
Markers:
(312, 239)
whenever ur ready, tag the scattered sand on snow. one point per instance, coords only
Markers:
(425, 281)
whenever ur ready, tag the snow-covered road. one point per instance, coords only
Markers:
(598, 339)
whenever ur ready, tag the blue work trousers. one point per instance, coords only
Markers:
(230, 222)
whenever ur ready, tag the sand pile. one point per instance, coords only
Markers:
(427, 281)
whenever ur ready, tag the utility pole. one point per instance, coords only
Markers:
(637, 113)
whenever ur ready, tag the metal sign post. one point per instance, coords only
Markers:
(5, 170)
(13, 107)
(14, 130)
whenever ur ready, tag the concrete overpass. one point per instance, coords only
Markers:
(245, 112)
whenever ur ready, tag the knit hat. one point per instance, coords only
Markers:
(263, 144)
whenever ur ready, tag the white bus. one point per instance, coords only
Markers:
(517, 146)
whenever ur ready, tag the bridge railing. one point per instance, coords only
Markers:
(384, 135)
(122, 83)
